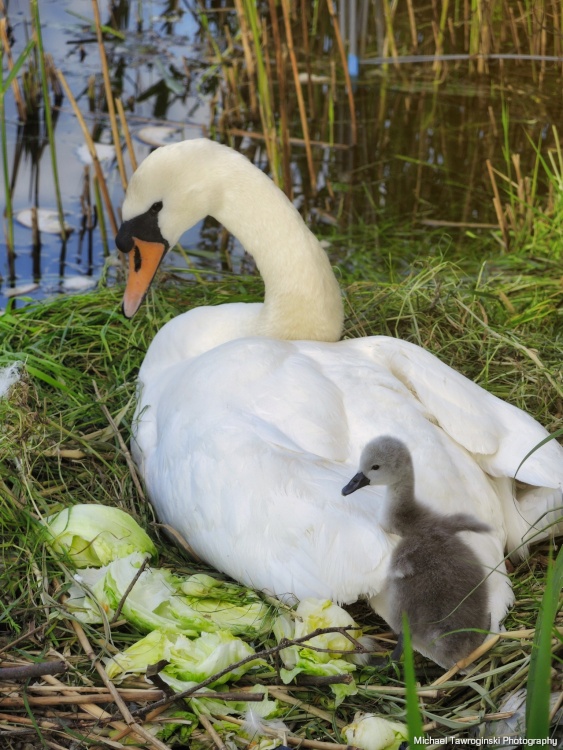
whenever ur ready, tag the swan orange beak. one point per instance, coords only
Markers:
(144, 260)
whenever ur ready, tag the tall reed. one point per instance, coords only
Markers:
(47, 113)
(4, 87)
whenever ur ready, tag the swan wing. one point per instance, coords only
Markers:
(245, 450)
(499, 435)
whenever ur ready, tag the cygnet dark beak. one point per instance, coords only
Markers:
(358, 480)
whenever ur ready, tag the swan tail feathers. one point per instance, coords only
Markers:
(542, 510)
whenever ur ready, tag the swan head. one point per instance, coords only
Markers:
(173, 188)
(384, 460)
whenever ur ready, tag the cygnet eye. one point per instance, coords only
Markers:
(155, 208)
(375, 467)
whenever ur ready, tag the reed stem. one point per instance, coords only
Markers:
(92, 149)
(47, 114)
(299, 92)
(109, 95)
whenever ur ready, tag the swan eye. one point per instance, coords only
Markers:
(155, 208)
(375, 467)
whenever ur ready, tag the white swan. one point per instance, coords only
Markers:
(251, 417)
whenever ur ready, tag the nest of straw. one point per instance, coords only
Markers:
(66, 427)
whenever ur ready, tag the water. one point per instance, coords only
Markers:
(420, 159)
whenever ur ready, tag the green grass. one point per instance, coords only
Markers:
(499, 323)
(539, 679)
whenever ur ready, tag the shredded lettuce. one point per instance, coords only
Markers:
(310, 615)
(190, 661)
(157, 601)
(85, 596)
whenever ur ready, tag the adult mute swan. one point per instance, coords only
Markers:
(251, 417)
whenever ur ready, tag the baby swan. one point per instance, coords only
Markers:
(434, 577)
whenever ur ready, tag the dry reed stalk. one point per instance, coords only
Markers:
(451, 29)
(137, 729)
(350, 90)
(124, 449)
(22, 112)
(394, 690)
(556, 29)
(293, 740)
(56, 700)
(126, 133)
(307, 707)
(109, 94)
(299, 92)
(486, 36)
(458, 224)
(26, 721)
(92, 149)
(514, 31)
(282, 84)
(440, 33)
(463, 663)
(209, 728)
(91, 708)
(390, 35)
(498, 205)
(248, 56)
(138, 694)
(476, 718)
(127, 693)
(412, 25)
(297, 141)
(307, 50)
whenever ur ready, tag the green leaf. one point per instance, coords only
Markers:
(539, 677)
(17, 65)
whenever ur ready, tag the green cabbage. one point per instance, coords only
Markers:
(94, 535)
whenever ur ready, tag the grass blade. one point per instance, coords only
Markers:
(414, 719)
(539, 678)
(17, 65)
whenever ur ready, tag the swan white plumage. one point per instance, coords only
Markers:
(251, 416)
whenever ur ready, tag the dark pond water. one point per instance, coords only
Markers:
(420, 159)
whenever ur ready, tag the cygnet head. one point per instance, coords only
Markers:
(384, 460)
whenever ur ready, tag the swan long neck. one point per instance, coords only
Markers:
(302, 296)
